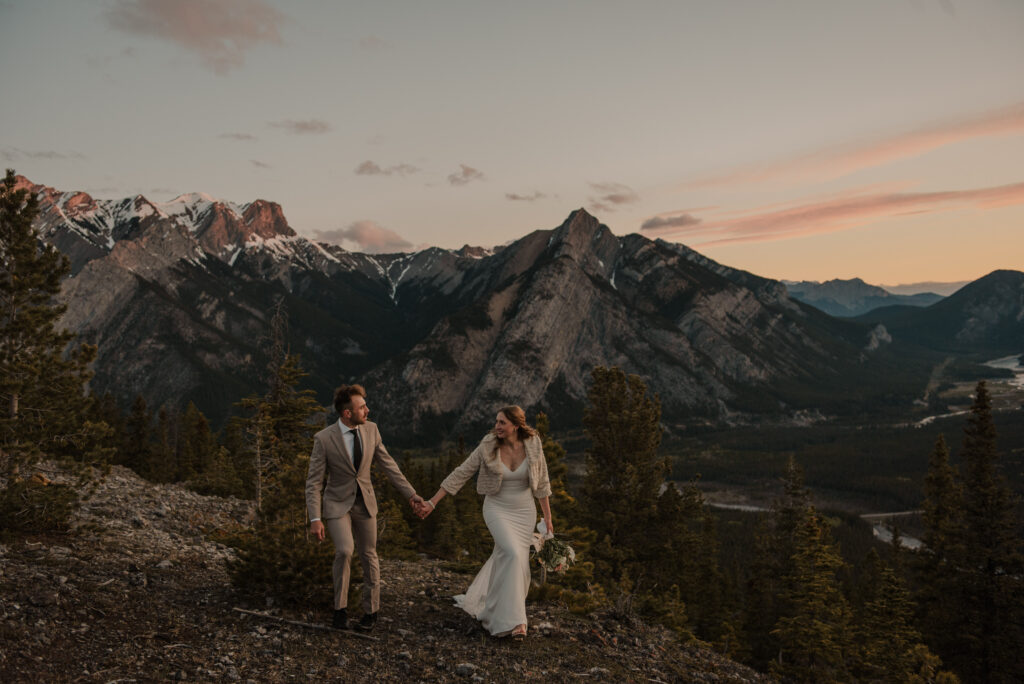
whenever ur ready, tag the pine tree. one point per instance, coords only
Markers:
(41, 383)
(812, 634)
(885, 640)
(937, 567)
(992, 589)
(136, 447)
(624, 472)
(279, 559)
(576, 588)
(197, 445)
(163, 461)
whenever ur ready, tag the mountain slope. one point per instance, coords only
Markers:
(985, 317)
(178, 295)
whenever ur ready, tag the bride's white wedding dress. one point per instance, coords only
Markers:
(497, 595)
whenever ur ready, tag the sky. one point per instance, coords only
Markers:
(800, 140)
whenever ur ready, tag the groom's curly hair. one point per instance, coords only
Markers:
(343, 396)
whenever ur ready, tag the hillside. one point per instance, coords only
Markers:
(177, 298)
(984, 318)
(138, 592)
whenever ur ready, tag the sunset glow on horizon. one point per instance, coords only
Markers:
(797, 140)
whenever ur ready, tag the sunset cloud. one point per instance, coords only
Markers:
(366, 236)
(845, 159)
(219, 32)
(371, 168)
(679, 221)
(833, 214)
(14, 154)
(464, 175)
(525, 198)
(611, 196)
(308, 126)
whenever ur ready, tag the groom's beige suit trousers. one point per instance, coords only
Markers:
(356, 530)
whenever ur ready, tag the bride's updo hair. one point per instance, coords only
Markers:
(517, 417)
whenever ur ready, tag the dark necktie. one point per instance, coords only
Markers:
(357, 451)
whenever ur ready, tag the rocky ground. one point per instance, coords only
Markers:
(137, 592)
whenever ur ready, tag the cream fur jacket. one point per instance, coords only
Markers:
(487, 462)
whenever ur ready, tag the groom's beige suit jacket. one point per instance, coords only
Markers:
(332, 482)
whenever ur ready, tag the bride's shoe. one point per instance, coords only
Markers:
(519, 633)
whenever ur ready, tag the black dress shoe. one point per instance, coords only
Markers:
(340, 620)
(367, 622)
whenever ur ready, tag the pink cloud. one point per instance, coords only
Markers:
(219, 32)
(315, 126)
(832, 214)
(372, 168)
(368, 236)
(841, 160)
(611, 196)
(464, 175)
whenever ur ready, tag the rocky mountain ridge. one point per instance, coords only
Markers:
(177, 297)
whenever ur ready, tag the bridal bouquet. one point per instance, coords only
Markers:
(553, 554)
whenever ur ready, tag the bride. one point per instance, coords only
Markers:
(512, 474)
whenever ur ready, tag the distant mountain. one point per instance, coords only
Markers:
(985, 317)
(178, 295)
(940, 288)
(853, 297)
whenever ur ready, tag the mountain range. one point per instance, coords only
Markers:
(178, 297)
(853, 297)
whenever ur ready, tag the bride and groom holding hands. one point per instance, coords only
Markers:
(511, 472)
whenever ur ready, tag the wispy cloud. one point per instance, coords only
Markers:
(302, 127)
(241, 137)
(258, 164)
(533, 197)
(464, 175)
(366, 236)
(371, 168)
(831, 215)
(678, 221)
(841, 160)
(611, 196)
(219, 32)
(14, 154)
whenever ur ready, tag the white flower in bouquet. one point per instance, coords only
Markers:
(554, 555)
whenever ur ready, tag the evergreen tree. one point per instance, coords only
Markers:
(197, 445)
(42, 385)
(992, 574)
(937, 566)
(136, 447)
(576, 588)
(812, 633)
(279, 560)
(163, 461)
(624, 472)
(886, 644)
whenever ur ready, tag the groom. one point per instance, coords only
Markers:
(340, 498)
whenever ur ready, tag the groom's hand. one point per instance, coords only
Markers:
(417, 505)
(316, 528)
